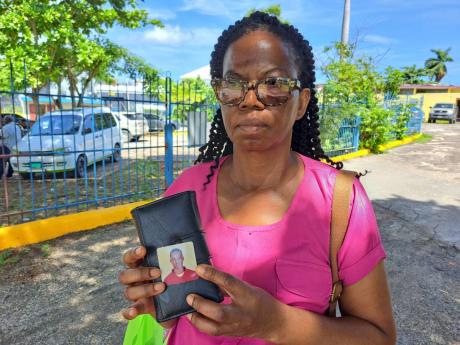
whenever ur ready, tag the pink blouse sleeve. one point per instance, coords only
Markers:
(362, 248)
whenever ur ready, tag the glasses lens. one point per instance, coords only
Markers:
(230, 92)
(274, 91)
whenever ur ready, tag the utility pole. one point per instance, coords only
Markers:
(346, 22)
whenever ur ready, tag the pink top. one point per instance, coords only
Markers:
(290, 258)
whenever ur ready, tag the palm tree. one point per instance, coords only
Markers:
(414, 75)
(437, 66)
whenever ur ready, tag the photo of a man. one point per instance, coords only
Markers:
(179, 273)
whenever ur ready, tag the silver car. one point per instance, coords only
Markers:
(443, 111)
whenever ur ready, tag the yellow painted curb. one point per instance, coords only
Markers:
(387, 146)
(395, 143)
(47, 229)
(352, 155)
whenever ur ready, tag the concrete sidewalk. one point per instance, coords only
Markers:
(420, 183)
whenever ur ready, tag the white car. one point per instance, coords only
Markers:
(133, 126)
(68, 140)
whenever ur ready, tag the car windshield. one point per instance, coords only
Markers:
(56, 125)
(134, 116)
(444, 105)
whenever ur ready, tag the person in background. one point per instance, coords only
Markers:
(10, 134)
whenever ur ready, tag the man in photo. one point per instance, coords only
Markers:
(179, 273)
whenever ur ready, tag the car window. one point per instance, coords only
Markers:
(56, 125)
(444, 106)
(134, 116)
(88, 124)
(99, 121)
(109, 120)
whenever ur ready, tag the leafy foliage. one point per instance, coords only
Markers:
(353, 89)
(414, 75)
(189, 95)
(59, 40)
(274, 10)
(436, 66)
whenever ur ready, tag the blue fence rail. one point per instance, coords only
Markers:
(116, 145)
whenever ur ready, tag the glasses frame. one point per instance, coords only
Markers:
(294, 84)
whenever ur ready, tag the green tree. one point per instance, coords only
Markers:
(437, 66)
(393, 79)
(414, 75)
(352, 90)
(64, 39)
(274, 10)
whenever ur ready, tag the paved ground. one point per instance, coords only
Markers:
(66, 292)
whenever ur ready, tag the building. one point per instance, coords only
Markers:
(429, 94)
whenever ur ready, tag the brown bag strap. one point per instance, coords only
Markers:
(339, 224)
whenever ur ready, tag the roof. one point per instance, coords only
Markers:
(41, 99)
(80, 111)
(428, 86)
(86, 100)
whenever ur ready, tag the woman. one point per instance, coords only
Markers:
(265, 203)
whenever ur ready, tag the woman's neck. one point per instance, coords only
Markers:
(257, 171)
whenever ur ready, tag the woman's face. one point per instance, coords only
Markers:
(252, 125)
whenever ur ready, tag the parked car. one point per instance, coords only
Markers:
(20, 120)
(68, 140)
(443, 111)
(133, 126)
(157, 122)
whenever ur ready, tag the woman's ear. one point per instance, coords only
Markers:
(304, 99)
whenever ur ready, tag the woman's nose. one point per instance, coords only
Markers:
(250, 100)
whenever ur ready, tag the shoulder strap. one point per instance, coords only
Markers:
(339, 224)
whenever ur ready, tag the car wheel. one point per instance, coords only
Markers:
(116, 153)
(80, 166)
(126, 135)
(26, 176)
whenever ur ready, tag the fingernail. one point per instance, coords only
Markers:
(153, 272)
(132, 312)
(138, 251)
(158, 287)
(190, 299)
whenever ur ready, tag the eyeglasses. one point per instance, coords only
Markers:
(270, 91)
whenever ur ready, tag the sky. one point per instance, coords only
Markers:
(395, 33)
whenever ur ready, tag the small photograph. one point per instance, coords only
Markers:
(177, 263)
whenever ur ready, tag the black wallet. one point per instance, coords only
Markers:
(174, 220)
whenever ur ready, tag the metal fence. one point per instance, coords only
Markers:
(116, 144)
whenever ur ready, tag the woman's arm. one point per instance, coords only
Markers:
(254, 313)
(366, 318)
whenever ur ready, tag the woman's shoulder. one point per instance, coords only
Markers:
(323, 176)
(322, 172)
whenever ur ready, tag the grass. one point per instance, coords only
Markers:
(8, 257)
(424, 139)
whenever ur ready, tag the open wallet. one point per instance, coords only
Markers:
(170, 229)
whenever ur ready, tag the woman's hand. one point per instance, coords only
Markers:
(140, 288)
(252, 313)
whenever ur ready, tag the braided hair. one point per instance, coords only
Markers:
(305, 136)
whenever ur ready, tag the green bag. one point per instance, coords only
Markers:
(144, 330)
